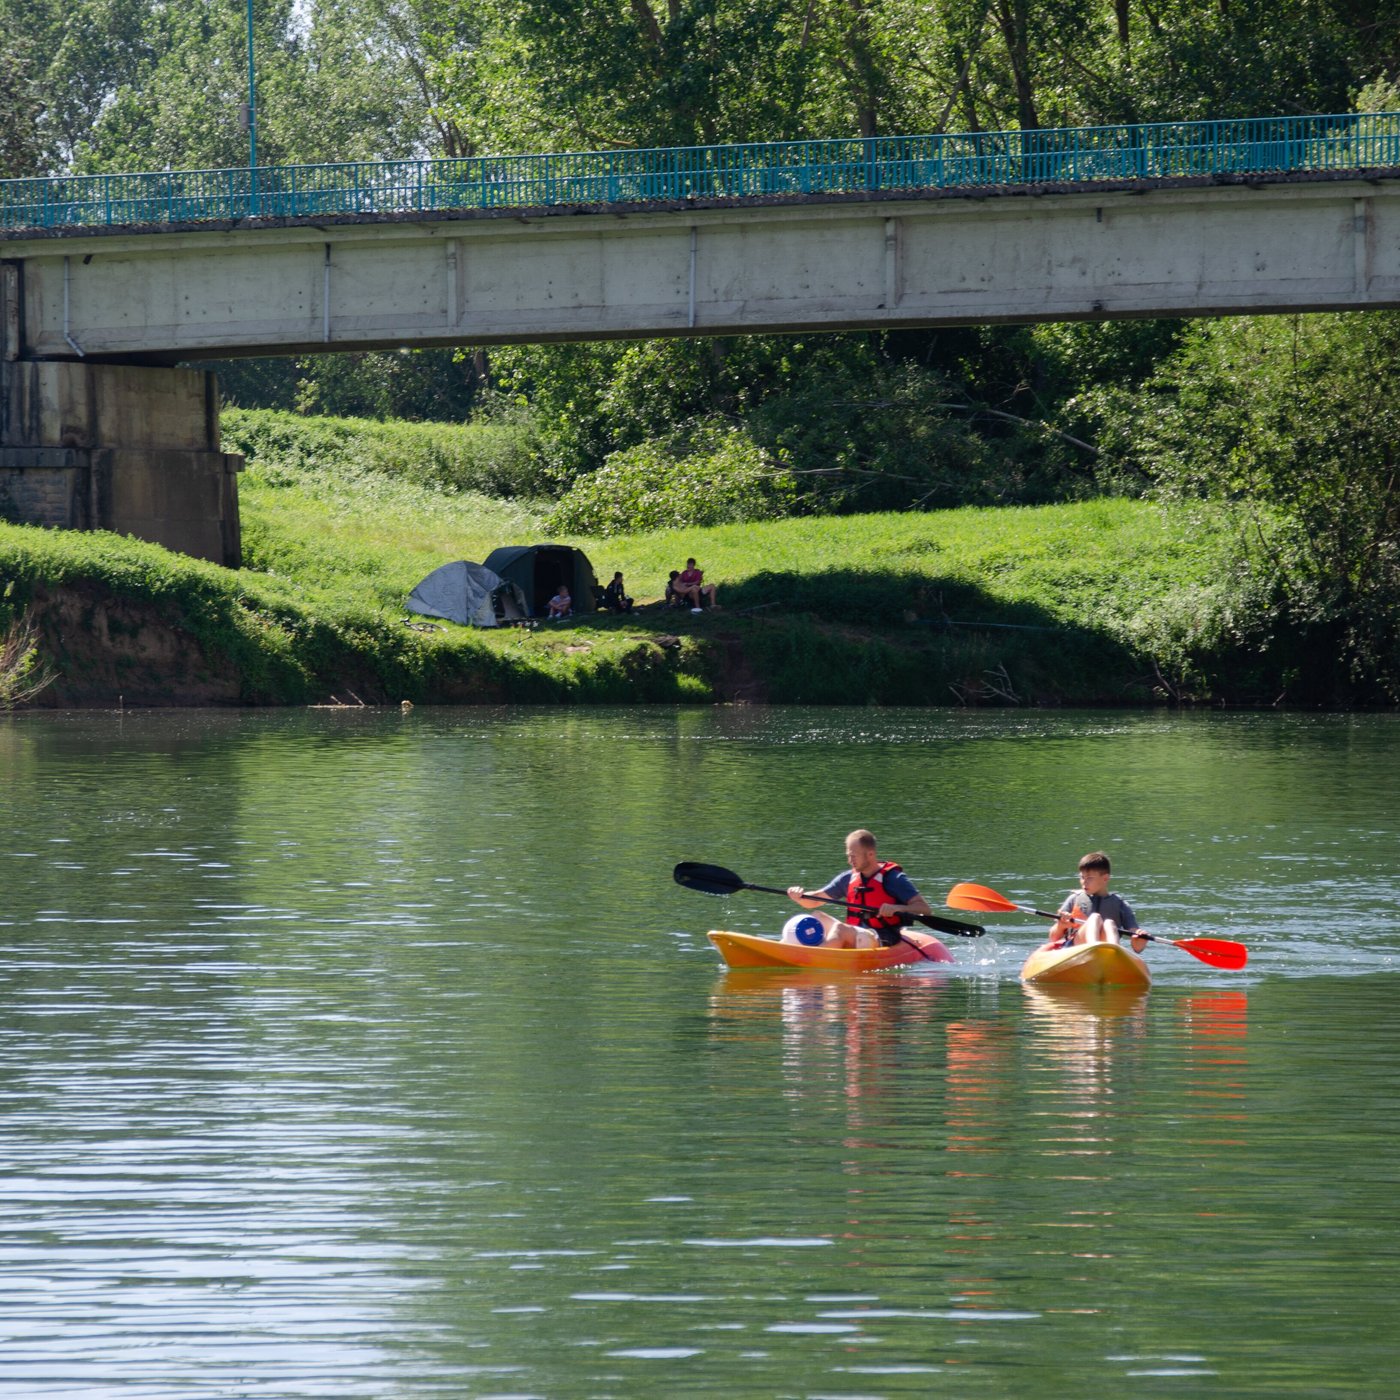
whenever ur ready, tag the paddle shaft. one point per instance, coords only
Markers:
(1127, 932)
(826, 899)
(1080, 918)
(715, 879)
(929, 921)
(1183, 943)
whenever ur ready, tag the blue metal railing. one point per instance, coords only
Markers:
(1161, 150)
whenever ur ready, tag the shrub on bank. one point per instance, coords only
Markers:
(23, 671)
(495, 456)
(703, 474)
(1291, 424)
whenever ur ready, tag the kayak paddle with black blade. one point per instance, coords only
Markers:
(715, 879)
(1218, 952)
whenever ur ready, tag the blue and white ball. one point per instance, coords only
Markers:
(805, 929)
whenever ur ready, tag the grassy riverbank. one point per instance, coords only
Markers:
(1108, 601)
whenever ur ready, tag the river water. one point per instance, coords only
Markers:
(362, 1054)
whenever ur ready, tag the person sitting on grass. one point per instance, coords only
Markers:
(561, 605)
(1093, 915)
(691, 584)
(674, 597)
(615, 597)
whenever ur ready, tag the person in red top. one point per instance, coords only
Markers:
(690, 583)
(879, 897)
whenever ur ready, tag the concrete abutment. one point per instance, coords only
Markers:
(127, 448)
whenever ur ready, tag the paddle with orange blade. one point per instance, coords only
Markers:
(1218, 952)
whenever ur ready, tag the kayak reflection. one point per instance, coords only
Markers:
(832, 1028)
(1088, 1057)
(1066, 1008)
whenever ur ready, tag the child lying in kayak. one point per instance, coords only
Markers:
(1093, 915)
(879, 897)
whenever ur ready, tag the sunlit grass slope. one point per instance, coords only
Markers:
(1087, 563)
(1094, 602)
(1108, 600)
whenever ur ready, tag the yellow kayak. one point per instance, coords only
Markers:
(1087, 965)
(744, 950)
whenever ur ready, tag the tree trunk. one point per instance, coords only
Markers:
(647, 23)
(1013, 18)
(864, 79)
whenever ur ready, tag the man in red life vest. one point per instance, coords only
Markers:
(879, 897)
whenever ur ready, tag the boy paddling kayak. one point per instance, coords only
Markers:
(1093, 915)
(878, 895)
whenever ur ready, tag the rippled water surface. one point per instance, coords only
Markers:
(358, 1054)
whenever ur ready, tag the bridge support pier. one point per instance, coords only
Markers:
(127, 448)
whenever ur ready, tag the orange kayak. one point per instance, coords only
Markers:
(744, 950)
(1087, 965)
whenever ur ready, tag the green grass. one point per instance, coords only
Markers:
(1081, 563)
(1075, 603)
(361, 534)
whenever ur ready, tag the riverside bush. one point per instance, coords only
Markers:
(495, 456)
(23, 672)
(705, 474)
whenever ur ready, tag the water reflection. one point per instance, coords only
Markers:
(1085, 1055)
(1216, 1025)
(835, 1030)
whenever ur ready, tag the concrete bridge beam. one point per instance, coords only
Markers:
(481, 279)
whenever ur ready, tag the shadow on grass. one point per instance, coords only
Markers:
(872, 636)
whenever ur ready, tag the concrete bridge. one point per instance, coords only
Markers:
(98, 428)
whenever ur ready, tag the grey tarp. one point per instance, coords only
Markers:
(467, 593)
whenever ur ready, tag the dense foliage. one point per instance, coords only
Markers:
(491, 457)
(702, 474)
(106, 84)
(1294, 421)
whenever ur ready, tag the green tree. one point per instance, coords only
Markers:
(73, 55)
(331, 85)
(612, 73)
(429, 41)
(1294, 422)
(22, 142)
(438, 386)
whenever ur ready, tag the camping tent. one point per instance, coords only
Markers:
(539, 569)
(468, 593)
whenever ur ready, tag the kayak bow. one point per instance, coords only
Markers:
(1087, 965)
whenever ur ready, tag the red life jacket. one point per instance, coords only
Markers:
(864, 895)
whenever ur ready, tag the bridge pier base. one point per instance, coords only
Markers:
(126, 448)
